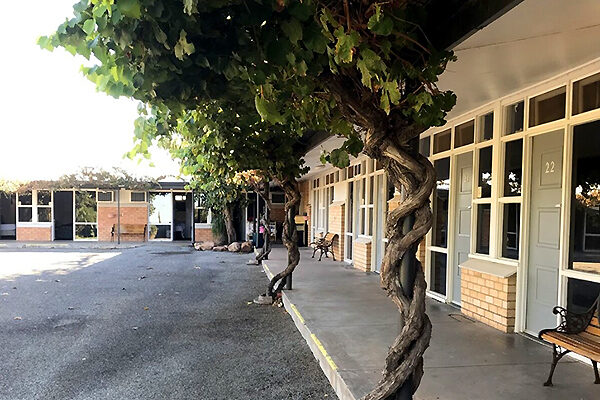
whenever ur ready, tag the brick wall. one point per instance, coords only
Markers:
(489, 299)
(336, 225)
(362, 254)
(203, 234)
(38, 234)
(107, 217)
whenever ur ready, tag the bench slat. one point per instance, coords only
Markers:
(583, 343)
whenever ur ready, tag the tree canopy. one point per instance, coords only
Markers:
(275, 69)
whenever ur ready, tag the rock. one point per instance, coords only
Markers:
(220, 248)
(234, 247)
(208, 245)
(247, 247)
(198, 246)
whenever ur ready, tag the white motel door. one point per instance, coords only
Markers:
(462, 226)
(544, 231)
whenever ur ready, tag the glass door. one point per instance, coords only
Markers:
(160, 218)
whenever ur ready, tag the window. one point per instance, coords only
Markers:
(585, 203)
(514, 115)
(25, 214)
(105, 196)
(424, 146)
(438, 272)
(464, 133)
(547, 107)
(440, 203)
(35, 206)
(485, 172)
(511, 225)
(513, 159)
(138, 196)
(441, 141)
(201, 215)
(278, 198)
(486, 127)
(86, 215)
(586, 94)
(483, 228)
(25, 205)
(581, 295)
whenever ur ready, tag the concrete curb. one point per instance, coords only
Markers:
(325, 361)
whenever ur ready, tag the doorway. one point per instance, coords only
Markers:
(8, 216)
(380, 222)
(462, 211)
(182, 217)
(160, 219)
(544, 230)
(63, 215)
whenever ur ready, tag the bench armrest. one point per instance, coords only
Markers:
(572, 322)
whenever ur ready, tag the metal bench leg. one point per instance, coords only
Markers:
(556, 356)
(332, 255)
(314, 251)
(321, 255)
(597, 381)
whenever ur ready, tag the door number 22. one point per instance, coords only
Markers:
(549, 167)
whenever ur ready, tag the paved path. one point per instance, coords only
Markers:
(153, 322)
(355, 323)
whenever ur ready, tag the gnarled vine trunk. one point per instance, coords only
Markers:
(229, 227)
(402, 275)
(290, 235)
(265, 221)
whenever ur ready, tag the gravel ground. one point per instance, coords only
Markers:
(155, 322)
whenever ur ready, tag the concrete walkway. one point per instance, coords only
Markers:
(349, 322)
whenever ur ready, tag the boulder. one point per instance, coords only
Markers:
(234, 247)
(220, 248)
(247, 247)
(208, 245)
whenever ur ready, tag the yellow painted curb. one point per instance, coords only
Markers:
(293, 307)
(323, 351)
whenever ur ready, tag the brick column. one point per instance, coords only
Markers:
(362, 254)
(337, 220)
(490, 299)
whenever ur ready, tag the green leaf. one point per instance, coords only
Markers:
(293, 30)
(190, 6)
(183, 47)
(268, 111)
(339, 158)
(344, 47)
(130, 8)
(89, 26)
(381, 26)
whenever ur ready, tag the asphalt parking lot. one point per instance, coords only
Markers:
(153, 322)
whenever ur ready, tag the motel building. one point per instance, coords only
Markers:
(516, 225)
(166, 212)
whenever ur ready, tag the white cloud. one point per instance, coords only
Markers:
(53, 120)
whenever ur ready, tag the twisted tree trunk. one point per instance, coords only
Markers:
(265, 222)
(402, 274)
(290, 235)
(229, 227)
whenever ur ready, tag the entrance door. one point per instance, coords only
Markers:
(462, 227)
(380, 222)
(63, 215)
(544, 230)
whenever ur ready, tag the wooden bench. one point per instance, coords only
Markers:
(129, 230)
(577, 333)
(324, 244)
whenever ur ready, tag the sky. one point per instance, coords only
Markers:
(53, 119)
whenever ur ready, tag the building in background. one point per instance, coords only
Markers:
(166, 212)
